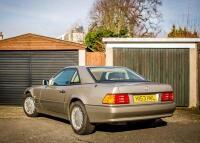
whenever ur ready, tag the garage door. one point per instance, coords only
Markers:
(159, 65)
(21, 69)
(45, 64)
(14, 75)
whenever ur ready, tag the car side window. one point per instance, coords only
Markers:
(66, 77)
(75, 79)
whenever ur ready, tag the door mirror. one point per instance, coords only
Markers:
(45, 82)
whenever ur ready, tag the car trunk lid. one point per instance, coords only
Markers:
(143, 87)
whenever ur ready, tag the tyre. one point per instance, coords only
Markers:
(29, 106)
(79, 119)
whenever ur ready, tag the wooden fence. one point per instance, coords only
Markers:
(95, 58)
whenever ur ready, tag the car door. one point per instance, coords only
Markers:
(55, 94)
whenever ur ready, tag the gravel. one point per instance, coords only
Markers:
(15, 127)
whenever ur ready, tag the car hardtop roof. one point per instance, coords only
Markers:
(92, 67)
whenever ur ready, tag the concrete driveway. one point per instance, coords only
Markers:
(15, 127)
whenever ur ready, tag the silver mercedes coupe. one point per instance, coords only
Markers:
(87, 96)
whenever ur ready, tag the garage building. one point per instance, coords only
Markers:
(27, 59)
(165, 60)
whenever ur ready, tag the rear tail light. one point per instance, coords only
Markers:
(167, 96)
(121, 98)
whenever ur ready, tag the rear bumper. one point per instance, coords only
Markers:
(106, 114)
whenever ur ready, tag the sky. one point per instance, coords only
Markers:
(181, 13)
(54, 17)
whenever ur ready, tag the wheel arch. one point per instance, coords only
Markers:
(28, 91)
(74, 99)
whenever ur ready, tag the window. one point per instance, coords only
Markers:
(115, 74)
(75, 78)
(66, 77)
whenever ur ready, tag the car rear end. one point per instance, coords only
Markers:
(130, 96)
(132, 102)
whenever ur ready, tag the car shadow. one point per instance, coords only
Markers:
(121, 127)
(130, 126)
(54, 118)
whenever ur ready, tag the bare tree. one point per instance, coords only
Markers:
(139, 17)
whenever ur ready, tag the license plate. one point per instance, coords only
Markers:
(145, 98)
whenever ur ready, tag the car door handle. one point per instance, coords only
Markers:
(62, 91)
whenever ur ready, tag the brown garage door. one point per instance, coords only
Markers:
(159, 65)
(21, 69)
